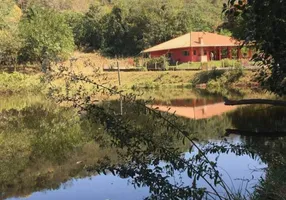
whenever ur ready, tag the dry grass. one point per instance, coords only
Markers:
(100, 61)
(151, 79)
(88, 63)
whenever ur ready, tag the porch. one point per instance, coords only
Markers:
(219, 53)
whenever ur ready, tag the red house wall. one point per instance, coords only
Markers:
(177, 54)
(195, 57)
(156, 54)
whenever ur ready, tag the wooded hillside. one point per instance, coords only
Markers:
(54, 28)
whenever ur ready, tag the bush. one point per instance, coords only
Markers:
(77, 24)
(142, 68)
(230, 63)
(10, 42)
(226, 78)
(46, 36)
(159, 63)
(212, 64)
(18, 83)
(215, 64)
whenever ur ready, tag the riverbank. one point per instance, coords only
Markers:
(214, 80)
(70, 148)
(16, 83)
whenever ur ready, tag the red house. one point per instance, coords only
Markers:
(198, 47)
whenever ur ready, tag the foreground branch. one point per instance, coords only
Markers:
(254, 101)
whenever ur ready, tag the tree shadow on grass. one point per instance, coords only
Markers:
(206, 76)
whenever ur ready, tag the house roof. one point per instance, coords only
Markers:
(192, 39)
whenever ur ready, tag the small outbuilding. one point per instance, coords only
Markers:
(198, 47)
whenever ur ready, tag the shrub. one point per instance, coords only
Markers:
(17, 82)
(10, 42)
(46, 36)
(77, 24)
(142, 68)
(159, 63)
(230, 63)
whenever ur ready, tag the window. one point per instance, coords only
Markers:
(186, 53)
(205, 52)
(169, 55)
(195, 52)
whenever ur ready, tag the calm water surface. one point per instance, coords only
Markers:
(50, 152)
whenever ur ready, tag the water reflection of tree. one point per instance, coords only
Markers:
(271, 150)
(259, 118)
(41, 146)
(140, 143)
(154, 150)
(43, 137)
(144, 139)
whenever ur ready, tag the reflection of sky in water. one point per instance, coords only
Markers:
(101, 187)
(233, 168)
(236, 170)
(94, 188)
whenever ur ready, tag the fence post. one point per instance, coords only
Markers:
(118, 71)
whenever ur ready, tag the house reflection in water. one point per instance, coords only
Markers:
(194, 108)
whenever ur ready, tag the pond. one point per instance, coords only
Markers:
(121, 150)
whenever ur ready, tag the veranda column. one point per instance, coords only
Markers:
(201, 53)
(191, 54)
(238, 53)
(229, 53)
(219, 53)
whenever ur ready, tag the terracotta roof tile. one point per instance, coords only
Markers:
(193, 40)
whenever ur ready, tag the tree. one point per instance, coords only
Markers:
(93, 29)
(77, 24)
(10, 42)
(46, 35)
(114, 31)
(262, 23)
(133, 26)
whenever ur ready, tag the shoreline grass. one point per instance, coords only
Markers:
(17, 82)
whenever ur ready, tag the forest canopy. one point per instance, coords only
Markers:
(113, 27)
(247, 21)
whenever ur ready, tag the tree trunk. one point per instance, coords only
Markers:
(254, 101)
(273, 134)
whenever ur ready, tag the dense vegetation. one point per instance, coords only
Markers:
(37, 31)
(40, 137)
(45, 35)
(34, 30)
(39, 151)
(246, 20)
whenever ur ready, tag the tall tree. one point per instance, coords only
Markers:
(46, 35)
(9, 35)
(263, 23)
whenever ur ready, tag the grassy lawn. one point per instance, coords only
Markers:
(151, 79)
(193, 65)
(210, 64)
(28, 78)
